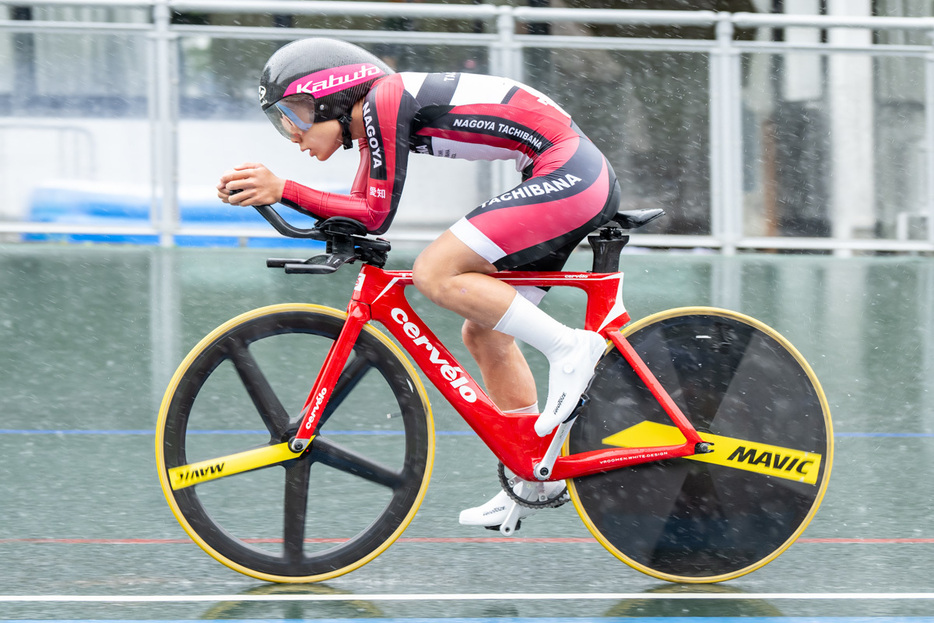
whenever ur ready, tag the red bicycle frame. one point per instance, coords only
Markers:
(379, 295)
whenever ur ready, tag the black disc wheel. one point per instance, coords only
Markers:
(717, 516)
(296, 517)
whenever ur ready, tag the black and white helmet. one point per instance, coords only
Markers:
(316, 79)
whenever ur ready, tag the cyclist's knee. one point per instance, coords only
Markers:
(436, 269)
(475, 336)
(429, 278)
(433, 274)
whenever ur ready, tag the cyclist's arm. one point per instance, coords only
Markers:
(323, 204)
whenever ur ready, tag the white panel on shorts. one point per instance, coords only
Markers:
(446, 148)
(488, 250)
(477, 241)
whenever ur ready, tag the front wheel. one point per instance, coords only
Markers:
(717, 516)
(306, 517)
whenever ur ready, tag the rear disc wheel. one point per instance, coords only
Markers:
(716, 516)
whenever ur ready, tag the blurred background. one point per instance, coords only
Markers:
(802, 126)
(756, 124)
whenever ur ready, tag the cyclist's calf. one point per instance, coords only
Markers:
(506, 374)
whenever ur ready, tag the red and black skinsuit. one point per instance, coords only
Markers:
(568, 188)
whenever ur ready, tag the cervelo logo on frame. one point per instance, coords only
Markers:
(314, 410)
(452, 373)
(328, 81)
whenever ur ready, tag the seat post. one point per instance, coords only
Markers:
(607, 245)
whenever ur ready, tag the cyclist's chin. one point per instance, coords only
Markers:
(319, 154)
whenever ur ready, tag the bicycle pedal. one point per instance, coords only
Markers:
(497, 528)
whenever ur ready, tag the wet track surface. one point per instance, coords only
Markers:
(89, 337)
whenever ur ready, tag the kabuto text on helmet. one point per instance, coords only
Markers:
(316, 79)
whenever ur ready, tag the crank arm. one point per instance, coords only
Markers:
(508, 527)
(213, 469)
(545, 467)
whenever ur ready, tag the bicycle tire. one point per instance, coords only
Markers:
(715, 517)
(348, 497)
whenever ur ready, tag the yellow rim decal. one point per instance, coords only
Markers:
(751, 456)
(212, 469)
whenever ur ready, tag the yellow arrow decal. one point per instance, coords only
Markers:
(751, 456)
(212, 469)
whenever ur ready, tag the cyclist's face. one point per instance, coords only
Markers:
(321, 140)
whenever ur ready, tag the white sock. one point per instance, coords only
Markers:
(525, 321)
(571, 353)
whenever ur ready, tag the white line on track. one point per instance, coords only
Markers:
(462, 597)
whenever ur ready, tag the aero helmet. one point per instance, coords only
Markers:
(314, 80)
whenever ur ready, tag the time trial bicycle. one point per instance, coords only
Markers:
(700, 451)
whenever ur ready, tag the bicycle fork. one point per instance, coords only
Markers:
(323, 389)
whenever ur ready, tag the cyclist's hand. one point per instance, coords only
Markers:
(258, 185)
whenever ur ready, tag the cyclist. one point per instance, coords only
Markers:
(323, 94)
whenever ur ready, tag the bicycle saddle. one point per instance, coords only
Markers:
(632, 219)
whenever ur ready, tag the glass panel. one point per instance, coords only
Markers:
(833, 145)
(219, 77)
(75, 139)
(649, 113)
(82, 75)
(7, 68)
(785, 146)
(901, 160)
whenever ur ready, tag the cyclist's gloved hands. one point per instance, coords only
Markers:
(257, 185)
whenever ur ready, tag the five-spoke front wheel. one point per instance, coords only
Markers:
(306, 517)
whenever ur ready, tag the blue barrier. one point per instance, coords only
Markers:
(79, 206)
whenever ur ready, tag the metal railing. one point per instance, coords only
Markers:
(506, 46)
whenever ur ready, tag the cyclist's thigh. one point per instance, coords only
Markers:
(534, 226)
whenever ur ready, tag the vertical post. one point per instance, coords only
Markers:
(725, 207)
(733, 93)
(929, 139)
(165, 319)
(165, 152)
(852, 128)
(508, 66)
(152, 118)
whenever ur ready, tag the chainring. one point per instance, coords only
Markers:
(559, 500)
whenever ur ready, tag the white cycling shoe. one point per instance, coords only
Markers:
(504, 512)
(568, 377)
